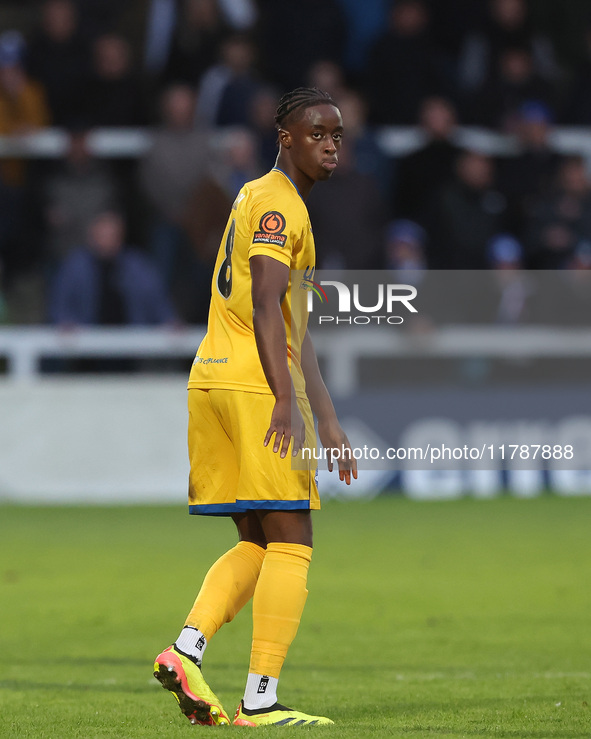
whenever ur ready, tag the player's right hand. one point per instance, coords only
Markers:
(332, 436)
(286, 422)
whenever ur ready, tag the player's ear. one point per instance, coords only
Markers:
(284, 138)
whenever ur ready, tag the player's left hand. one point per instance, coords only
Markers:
(287, 424)
(332, 436)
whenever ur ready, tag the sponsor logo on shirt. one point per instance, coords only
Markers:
(210, 360)
(271, 227)
(308, 283)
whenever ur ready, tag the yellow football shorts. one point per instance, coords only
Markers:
(231, 470)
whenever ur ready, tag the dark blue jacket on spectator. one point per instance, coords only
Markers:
(76, 290)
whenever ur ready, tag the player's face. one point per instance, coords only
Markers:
(315, 141)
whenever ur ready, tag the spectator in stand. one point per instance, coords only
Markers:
(577, 107)
(364, 23)
(294, 35)
(200, 30)
(348, 217)
(531, 173)
(562, 219)
(241, 14)
(402, 68)
(405, 253)
(182, 38)
(207, 213)
(177, 162)
(99, 17)
(508, 26)
(328, 76)
(405, 246)
(23, 106)
(205, 220)
(498, 103)
(22, 109)
(238, 162)
(368, 157)
(505, 253)
(262, 124)
(422, 174)
(581, 259)
(108, 283)
(114, 97)
(452, 22)
(564, 24)
(79, 188)
(228, 89)
(58, 59)
(469, 212)
(510, 297)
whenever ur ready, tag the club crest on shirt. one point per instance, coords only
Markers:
(271, 227)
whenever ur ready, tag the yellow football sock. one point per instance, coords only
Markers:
(229, 585)
(277, 606)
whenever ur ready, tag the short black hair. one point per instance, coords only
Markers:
(300, 99)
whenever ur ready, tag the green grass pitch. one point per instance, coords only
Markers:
(456, 619)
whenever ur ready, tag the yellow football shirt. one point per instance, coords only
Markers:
(268, 217)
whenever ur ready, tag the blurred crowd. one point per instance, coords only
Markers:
(88, 239)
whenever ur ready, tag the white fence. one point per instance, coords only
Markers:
(23, 347)
(341, 349)
(102, 439)
(394, 141)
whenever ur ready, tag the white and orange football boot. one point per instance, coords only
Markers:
(183, 678)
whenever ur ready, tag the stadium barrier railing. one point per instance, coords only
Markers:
(50, 143)
(340, 350)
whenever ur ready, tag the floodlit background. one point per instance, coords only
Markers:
(127, 128)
